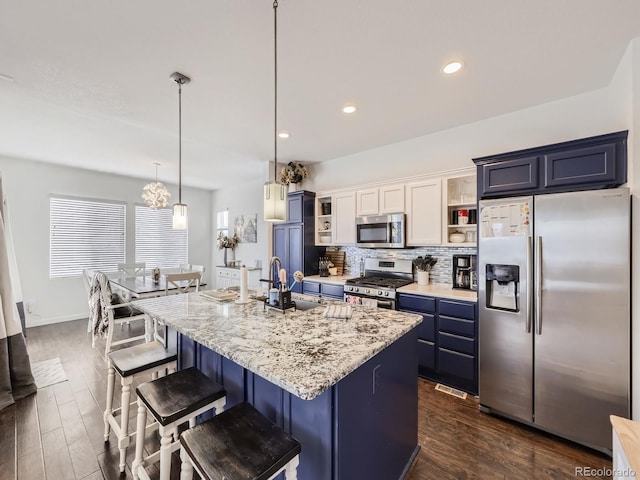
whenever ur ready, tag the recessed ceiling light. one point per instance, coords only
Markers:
(284, 134)
(6, 78)
(452, 67)
(349, 109)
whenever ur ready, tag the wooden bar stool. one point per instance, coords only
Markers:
(239, 444)
(172, 401)
(147, 357)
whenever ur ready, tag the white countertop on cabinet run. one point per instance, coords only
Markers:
(332, 279)
(300, 351)
(628, 432)
(440, 290)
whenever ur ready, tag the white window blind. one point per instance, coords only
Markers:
(85, 234)
(157, 243)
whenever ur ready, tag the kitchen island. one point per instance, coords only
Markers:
(346, 389)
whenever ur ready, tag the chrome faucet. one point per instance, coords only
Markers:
(276, 277)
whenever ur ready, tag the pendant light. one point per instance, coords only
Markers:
(275, 193)
(155, 194)
(180, 209)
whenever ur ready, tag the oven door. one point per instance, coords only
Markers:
(356, 299)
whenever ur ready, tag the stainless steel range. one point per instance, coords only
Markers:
(382, 277)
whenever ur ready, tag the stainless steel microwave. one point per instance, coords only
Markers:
(381, 231)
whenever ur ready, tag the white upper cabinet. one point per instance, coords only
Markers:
(392, 198)
(380, 200)
(424, 212)
(343, 206)
(460, 210)
(367, 202)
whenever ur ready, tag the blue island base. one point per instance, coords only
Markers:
(365, 426)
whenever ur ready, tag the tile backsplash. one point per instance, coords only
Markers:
(441, 272)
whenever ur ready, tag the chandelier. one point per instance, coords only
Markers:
(155, 194)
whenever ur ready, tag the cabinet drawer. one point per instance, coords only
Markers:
(457, 326)
(416, 303)
(427, 329)
(227, 273)
(457, 309)
(310, 288)
(457, 364)
(457, 343)
(426, 354)
(334, 291)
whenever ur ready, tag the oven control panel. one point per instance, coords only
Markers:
(372, 292)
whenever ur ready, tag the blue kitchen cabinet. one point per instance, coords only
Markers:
(518, 174)
(311, 288)
(589, 163)
(293, 240)
(457, 344)
(447, 340)
(322, 289)
(425, 306)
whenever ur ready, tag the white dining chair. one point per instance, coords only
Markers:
(183, 282)
(106, 309)
(184, 267)
(198, 268)
(132, 269)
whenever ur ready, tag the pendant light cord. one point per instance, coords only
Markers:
(275, 84)
(180, 142)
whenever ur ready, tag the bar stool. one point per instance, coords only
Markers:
(172, 400)
(239, 444)
(147, 357)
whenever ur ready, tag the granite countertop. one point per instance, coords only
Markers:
(300, 351)
(441, 290)
(333, 279)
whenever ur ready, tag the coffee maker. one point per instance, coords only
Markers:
(465, 273)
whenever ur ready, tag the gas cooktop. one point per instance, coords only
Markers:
(379, 282)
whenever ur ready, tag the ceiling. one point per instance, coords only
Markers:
(90, 79)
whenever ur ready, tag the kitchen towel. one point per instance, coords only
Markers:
(338, 311)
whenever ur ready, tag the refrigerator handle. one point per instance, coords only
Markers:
(528, 313)
(538, 275)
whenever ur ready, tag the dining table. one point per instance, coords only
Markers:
(143, 286)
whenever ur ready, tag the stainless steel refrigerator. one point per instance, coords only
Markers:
(554, 311)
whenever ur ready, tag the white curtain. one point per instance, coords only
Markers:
(16, 380)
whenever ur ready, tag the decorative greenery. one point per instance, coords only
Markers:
(294, 172)
(424, 264)
(228, 242)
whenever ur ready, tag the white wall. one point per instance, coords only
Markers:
(593, 113)
(28, 185)
(633, 60)
(245, 199)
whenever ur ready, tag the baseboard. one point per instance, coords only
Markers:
(39, 322)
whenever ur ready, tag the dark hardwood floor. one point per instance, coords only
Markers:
(57, 434)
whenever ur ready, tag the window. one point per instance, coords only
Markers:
(85, 234)
(222, 223)
(157, 243)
